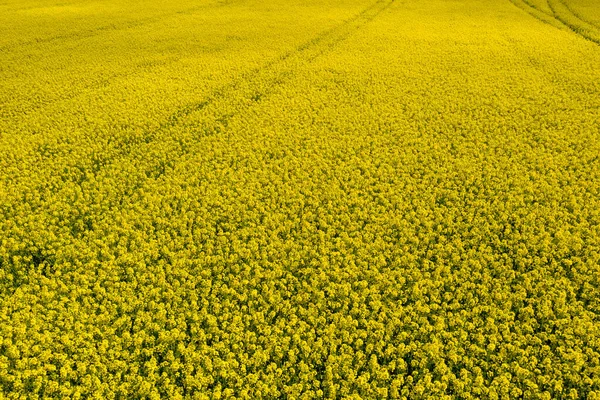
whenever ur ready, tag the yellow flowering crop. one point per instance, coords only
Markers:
(302, 199)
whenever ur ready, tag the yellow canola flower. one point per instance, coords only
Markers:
(358, 199)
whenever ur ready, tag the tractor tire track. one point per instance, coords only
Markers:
(537, 7)
(327, 40)
(580, 27)
(538, 14)
(142, 163)
(119, 147)
(245, 90)
(581, 17)
(103, 81)
(562, 17)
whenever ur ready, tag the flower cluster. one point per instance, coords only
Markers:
(302, 200)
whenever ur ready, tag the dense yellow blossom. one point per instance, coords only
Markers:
(300, 199)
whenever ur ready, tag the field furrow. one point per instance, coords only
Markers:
(586, 10)
(583, 28)
(541, 5)
(539, 13)
(300, 199)
(225, 102)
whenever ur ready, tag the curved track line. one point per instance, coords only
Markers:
(538, 14)
(309, 51)
(246, 91)
(581, 28)
(103, 81)
(562, 18)
(580, 16)
(532, 5)
(242, 93)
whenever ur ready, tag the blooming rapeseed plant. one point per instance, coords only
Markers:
(342, 199)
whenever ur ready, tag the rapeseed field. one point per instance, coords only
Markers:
(300, 199)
